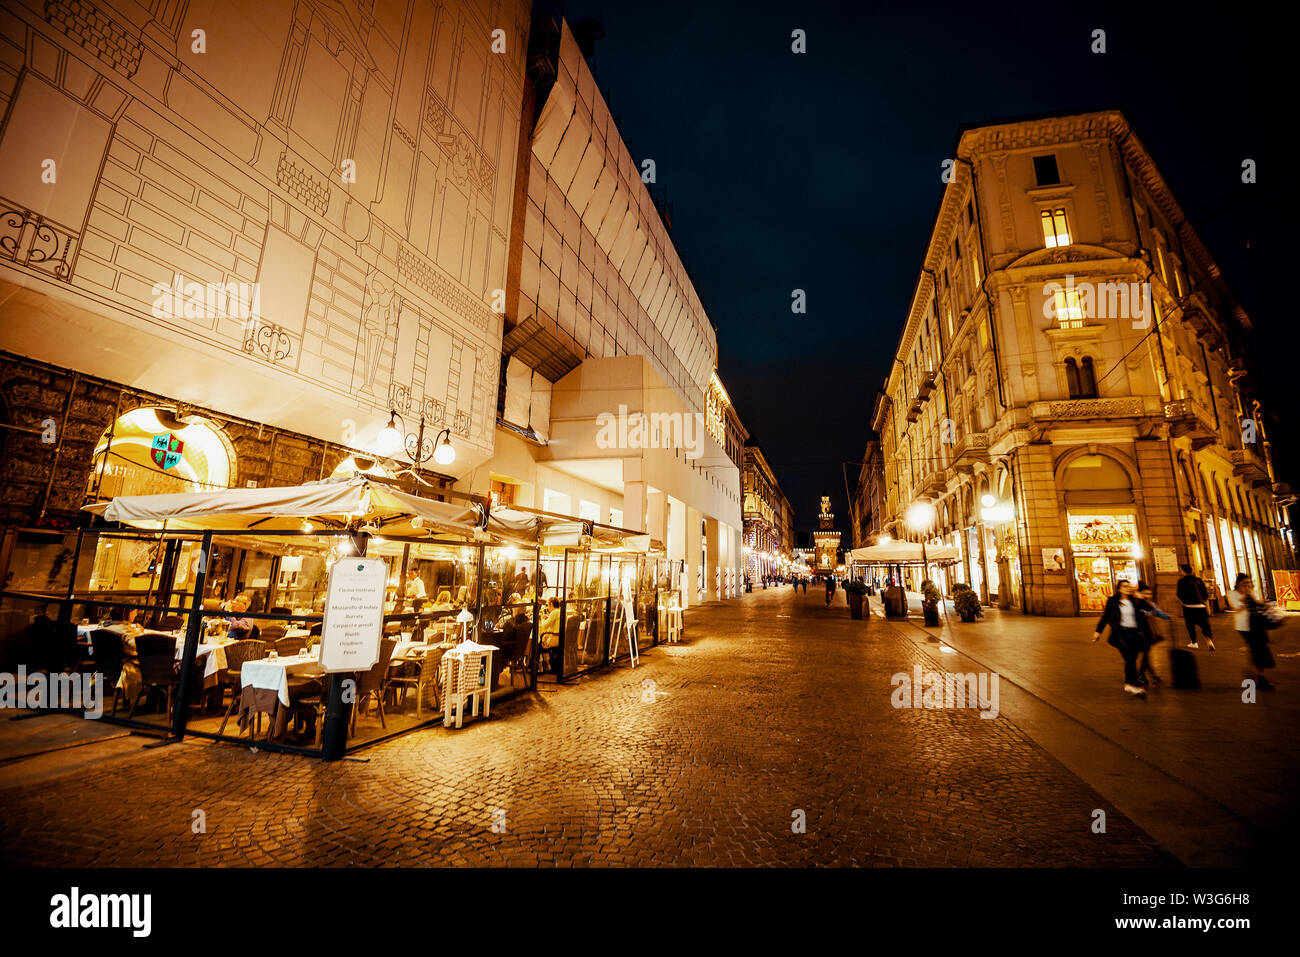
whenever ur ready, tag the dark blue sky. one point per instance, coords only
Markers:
(820, 171)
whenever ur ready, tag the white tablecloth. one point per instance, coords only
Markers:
(273, 673)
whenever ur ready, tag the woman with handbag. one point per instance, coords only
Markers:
(1130, 633)
(1253, 627)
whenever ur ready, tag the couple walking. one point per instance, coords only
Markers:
(1127, 614)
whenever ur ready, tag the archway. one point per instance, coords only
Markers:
(153, 451)
(1102, 516)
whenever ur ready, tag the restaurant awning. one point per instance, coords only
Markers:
(903, 553)
(360, 502)
(355, 501)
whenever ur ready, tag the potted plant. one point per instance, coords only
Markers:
(855, 591)
(930, 596)
(965, 601)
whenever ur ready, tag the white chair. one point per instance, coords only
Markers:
(673, 624)
(466, 677)
(625, 625)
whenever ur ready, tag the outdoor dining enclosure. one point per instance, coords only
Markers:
(191, 608)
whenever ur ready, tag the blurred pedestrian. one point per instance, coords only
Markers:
(1154, 614)
(1129, 633)
(1253, 628)
(1195, 599)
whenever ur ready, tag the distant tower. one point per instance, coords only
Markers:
(826, 538)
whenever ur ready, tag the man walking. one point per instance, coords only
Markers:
(1194, 597)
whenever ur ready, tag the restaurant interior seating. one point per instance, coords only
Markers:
(271, 633)
(170, 622)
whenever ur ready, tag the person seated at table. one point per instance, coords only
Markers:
(239, 627)
(443, 601)
(550, 630)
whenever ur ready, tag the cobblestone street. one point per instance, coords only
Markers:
(773, 705)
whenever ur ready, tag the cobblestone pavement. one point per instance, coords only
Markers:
(773, 705)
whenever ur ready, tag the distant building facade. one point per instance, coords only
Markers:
(826, 539)
(769, 541)
(1069, 390)
(868, 498)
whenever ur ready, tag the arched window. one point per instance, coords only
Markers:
(1072, 378)
(154, 450)
(1087, 379)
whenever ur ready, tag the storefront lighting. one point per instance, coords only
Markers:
(1137, 551)
(307, 526)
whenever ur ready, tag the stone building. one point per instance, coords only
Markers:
(769, 521)
(1070, 389)
(866, 501)
(247, 231)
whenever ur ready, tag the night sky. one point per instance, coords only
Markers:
(821, 172)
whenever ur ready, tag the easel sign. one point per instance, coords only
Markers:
(354, 614)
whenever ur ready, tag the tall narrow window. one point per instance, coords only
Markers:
(975, 268)
(1072, 378)
(1087, 379)
(1056, 232)
(1045, 171)
(1069, 308)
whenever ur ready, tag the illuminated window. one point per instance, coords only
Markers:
(948, 314)
(1055, 230)
(975, 268)
(984, 333)
(1069, 308)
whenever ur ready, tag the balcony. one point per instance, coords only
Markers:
(926, 387)
(1249, 466)
(1120, 407)
(914, 412)
(970, 450)
(931, 484)
(1188, 419)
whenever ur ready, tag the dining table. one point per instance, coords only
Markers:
(265, 687)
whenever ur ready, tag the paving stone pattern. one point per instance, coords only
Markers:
(773, 704)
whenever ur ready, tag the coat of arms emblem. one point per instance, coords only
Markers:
(166, 450)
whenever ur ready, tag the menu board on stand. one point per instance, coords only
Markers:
(354, 614)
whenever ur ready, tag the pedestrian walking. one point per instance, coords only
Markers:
(1129, 633)
(830, 588)
(1195, 599)
(1154, 614)
(805, 586)
(1253, 627)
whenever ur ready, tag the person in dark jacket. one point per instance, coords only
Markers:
(1146, 601)
(1195, 599)
(1130, 634)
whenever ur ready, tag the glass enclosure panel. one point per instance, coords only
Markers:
(584, 634)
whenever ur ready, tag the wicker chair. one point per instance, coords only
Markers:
(107, 655)
(272, 633)
(426, 680)
(156, 657)
(371, 683)
(290, 646)
(236, 655)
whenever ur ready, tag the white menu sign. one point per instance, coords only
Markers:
(354, 614)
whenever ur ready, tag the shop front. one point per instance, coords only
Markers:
(1106, 550)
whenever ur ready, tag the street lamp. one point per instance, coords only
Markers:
(920, 517)
(417, 447)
